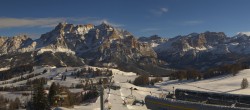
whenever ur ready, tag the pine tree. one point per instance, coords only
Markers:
(14, 105)
(141, 80)
(17, 102)
(244, 83)
(40, 101)
(64, 78)
(44, 71)
(52, 92)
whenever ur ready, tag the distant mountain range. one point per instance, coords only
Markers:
(105, 45)
(202, 50)
(76, 45)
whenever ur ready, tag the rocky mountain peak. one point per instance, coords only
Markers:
(153, 40)
(14, 44)
(149, 39)
(95, 45)
(105, 27)
(241, 37)
(243, 34)
(203, 47)
(65, 28)
(214, 37)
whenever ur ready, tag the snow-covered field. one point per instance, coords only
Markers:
(115, 98)
(227, 84)
(223, 84)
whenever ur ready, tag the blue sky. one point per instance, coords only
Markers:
(167, 18)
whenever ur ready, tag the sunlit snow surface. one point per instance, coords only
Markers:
(228, 84)
(5, 68)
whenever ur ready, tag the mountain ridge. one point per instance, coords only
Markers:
(101, 45)
(203, 50)
(105, 45)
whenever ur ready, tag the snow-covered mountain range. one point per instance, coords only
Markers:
(105, 45)
(75, 45)
(203, 49)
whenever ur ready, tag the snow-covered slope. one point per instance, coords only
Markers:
(225, 84)
(222, 84)
(115, 97)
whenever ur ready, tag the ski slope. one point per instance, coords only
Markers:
(115, 97)
(225, 84)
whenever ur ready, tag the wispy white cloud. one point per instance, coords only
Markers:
(164, 10)
(193, 22)
(28, 22)
(6, 22)
(159, 11)
(150, 29)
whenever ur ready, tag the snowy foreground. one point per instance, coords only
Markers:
(226, 84)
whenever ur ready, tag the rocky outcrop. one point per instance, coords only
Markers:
(154, 40)
(16, 44)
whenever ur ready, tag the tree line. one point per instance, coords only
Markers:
(13, 104)
(16, 71)
(26, 87)
(90, 72)
(224, 70)
(193, 74)
(144, 80)
(58, 96)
